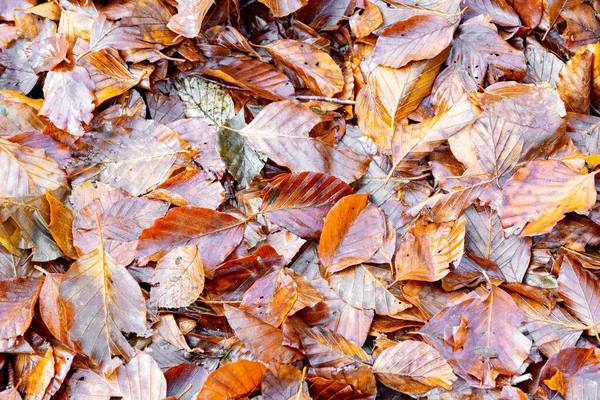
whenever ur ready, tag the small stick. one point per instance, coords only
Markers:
(327, 99)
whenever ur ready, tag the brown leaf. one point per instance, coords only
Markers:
(316, 68)
(282, 382)
(69, 99)
(61, 225)
(44, 54)
(282, 8)
(483, 339)
(500, 12)
(426, 251)
(150, 17)
(413, 367)
(380, 106)
(193, 226)
(109, 73)
(256, 76)
(180, 377)
(178, 278)
(574, 82)
(572, 372)
(549, 329)
(418, 38)
(234, 380)
(360, 288)
(484, 53)
(582, 26)
(137, 155)
(364, 22)
(102, 299)
(410, 143)
(352, 234)
(107, 34)
(281, 131)
(485, 238)
(540, 194)
(325, 348)
(17, 300)
(271, 298)
(300, 202)
(542, 65)
(193, 187)
(321, 389)
(579, 289)
(32, 171)
(264, 340)
(119, 219)
(189, 17)
(335, 314)
(140, 379)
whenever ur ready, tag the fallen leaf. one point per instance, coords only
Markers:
(541, 193)
(345, 229)
(413, 367)
(411, 40)
(316, 68)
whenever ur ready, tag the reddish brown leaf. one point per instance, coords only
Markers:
(316, 68)
(418, 38)
(540, 194)
(281, 131)
(413, 367)
(426, 251)
(192, 225)
(257, 76)
(234, 380)
(264, 340)
(17, 300)
(346, 240)
(300, 202)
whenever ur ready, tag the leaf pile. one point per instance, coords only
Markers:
(299, 199)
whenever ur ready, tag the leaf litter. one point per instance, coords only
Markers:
(299, 199)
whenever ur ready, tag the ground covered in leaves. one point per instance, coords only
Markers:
(299, 199)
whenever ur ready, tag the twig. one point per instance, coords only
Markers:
(327, 99)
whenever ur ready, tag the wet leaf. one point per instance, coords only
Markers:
(346, 240)
(300, 202)
(539, 195)
(413, 367)
(412, 40)
(316, 68)
(234, 380)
